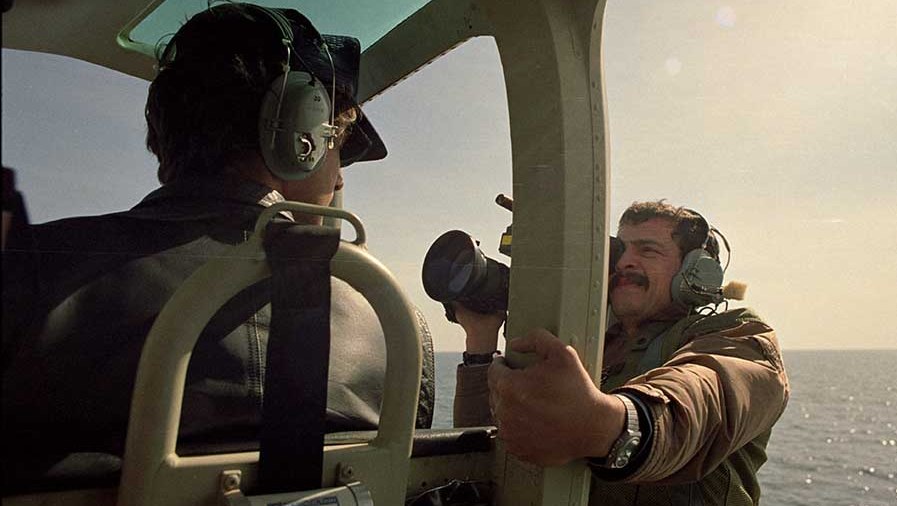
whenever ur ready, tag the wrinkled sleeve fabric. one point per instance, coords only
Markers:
(471, 407)
(715, 394)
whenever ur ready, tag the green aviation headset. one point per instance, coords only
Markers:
(699, 280)
(296, 119)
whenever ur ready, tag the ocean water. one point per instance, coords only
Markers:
(836, 444)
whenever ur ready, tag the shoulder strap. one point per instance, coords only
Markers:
(291, 443)
(664, 345)
(722, 321)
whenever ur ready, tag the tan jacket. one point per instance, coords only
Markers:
(715, 386)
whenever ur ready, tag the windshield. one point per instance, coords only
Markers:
(367, 21)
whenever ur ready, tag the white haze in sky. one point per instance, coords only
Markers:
(776, 120)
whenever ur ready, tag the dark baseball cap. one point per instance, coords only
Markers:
(312, 48)
(327, 57)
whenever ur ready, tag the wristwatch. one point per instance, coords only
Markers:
(478, 358)
(624, 447)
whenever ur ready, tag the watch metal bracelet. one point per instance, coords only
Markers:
(624, 448)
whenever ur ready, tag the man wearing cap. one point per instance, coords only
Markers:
(82, 293)
(687, 399)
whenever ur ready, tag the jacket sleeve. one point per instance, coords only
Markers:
(471, 407)
(715, 394)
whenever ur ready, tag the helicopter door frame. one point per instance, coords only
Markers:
(554, 79)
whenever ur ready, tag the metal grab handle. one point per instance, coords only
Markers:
(273, 209)
(161, 374)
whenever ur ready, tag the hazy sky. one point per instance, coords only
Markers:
(776, 120)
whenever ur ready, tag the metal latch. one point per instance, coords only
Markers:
(351, 494)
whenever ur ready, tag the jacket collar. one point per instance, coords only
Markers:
(647, 331)
(191, 198)
(226, 187)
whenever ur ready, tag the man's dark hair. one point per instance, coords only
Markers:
(690, 230)
(202, 108)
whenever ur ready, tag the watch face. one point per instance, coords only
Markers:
(622, 450)
(625, 453)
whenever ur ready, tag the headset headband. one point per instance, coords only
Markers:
(708, 232)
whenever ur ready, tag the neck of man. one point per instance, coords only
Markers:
(253, 168)
(632, 324)
(630, 327)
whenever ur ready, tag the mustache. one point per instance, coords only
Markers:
(632, 277)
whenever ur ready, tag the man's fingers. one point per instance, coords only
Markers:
(498, 372)
(539, 341)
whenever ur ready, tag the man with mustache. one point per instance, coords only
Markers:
(687, 399)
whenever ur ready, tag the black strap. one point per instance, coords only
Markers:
(291, 442)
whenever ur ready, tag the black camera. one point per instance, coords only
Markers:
(456, 270)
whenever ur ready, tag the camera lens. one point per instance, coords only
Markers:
(452, 266)
(456, 270)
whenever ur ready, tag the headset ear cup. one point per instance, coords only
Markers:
(699, 280)
(293, 143)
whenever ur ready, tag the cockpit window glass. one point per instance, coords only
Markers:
(78, 147)
(363, 19)
(448, 133)
(74, 133)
